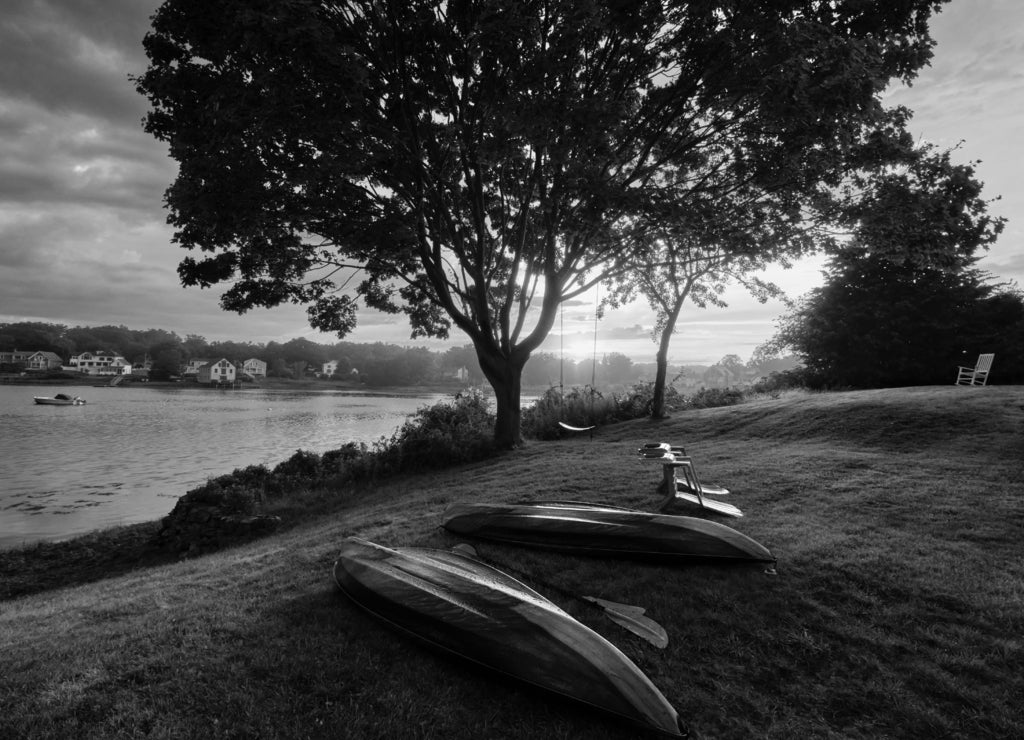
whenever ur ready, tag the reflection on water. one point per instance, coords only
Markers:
(129, 453)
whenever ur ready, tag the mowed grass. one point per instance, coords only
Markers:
(897, 608)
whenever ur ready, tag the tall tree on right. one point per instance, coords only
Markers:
(902, 300)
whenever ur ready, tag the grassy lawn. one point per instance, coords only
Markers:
(897, 609)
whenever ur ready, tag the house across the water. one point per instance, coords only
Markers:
(216, 372)
(255, 368)
(31, 359)
(100, 363)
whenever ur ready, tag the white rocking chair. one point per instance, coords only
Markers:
(976, 375)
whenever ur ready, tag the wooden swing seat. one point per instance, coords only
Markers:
(570, 428)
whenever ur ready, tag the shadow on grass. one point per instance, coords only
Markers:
(51, 565)
(47, 566)
(385, 682)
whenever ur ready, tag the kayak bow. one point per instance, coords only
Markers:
(468, 608)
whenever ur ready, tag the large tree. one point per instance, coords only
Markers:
(692, 257)
(902, 301)
(471, 162)
(35, 336)
(878, 323)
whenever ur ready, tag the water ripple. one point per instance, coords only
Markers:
(130, 452)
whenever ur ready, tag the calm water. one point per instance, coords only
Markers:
(129, 453)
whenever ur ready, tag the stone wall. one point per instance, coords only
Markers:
(194, 528)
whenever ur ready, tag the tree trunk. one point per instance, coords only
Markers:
(661, 376)
(505, 374)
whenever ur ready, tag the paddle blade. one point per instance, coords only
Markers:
(466, 549)
(632, 618)
(635, 611)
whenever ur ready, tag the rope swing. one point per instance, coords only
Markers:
(561, 373)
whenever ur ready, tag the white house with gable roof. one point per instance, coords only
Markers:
(218, 371)
(255, 368)
(100, 363)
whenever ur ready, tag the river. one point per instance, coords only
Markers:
(129, 453)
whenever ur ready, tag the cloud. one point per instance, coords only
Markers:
(70, 118)
(627, 332)
(83, 238)
(27, 241)
(74, 55)
(51, 161)
(1008, 263)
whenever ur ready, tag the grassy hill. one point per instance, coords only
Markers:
(897, 608)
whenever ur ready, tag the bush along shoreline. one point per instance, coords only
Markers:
(254, 501)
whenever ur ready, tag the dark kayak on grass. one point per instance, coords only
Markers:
(596, 529)
(475, 611)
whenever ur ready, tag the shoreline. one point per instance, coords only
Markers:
(269, 384)
(46, 565)
(69, 540)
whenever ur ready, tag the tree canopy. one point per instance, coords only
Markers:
(876, 324)
(903, 303)
(693, 260)
(473, 163)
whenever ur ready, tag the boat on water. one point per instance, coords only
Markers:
(603, 530)
(467, 608)
(61, 399)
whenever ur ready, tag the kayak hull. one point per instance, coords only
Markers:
(465, 607)
(592, 529)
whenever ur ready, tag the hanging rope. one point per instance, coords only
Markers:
(593, 376)
(561, 362)
(593, 364)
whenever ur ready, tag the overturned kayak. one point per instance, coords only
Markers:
(596, 529)
(468, 608)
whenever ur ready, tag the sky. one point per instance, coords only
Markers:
(83, 233)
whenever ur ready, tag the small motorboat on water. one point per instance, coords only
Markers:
(61, 399)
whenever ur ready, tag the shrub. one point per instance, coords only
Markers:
(540, 419)
(579, 407)
(638, 401)
(251, 477)
(60, 375)
(707, 398)
(779, 381)
(803, 378)
(587, 406)
(447, 433)
(239, 492)
(303, 465)
(242, 501)
(351, 461)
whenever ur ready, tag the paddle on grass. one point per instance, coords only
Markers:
(625, 615)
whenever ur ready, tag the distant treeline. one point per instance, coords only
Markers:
(377, 364)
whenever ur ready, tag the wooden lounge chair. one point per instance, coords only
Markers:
(976, 375)
(680, 482)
